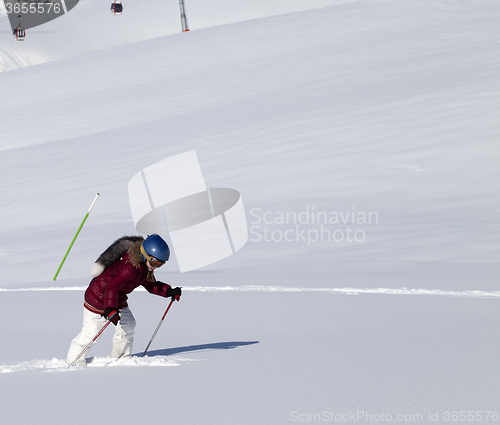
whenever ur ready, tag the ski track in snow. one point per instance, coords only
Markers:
(60, 365)
(252, 288)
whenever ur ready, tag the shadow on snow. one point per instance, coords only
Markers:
(201, 347)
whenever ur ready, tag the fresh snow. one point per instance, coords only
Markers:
(90, 26)
(61, 365)
(251, 288)
(363, 140)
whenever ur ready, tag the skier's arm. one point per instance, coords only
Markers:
(157, 288)
(162, 289)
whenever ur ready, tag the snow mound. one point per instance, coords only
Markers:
(348, 291)
(133, 361)
(60, 365)
(34, 364)
(257, 288)
(50, 288)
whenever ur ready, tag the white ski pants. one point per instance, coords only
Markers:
(92, 324)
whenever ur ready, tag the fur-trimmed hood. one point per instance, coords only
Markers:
(130, 245)
(134, 254)
(135, 257)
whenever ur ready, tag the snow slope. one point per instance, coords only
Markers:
(379, 115)
(90, 26)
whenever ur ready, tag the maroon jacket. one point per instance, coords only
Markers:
(111, 287)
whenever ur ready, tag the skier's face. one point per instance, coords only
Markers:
(150, 267)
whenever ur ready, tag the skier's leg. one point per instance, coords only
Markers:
(124, 334)
(92, 324)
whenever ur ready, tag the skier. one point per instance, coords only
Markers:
(128, 263)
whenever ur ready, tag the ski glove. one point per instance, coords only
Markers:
(175, 293)
(112, 314)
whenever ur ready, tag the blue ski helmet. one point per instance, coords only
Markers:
(156, 247)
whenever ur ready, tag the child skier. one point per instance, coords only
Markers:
(128, 263)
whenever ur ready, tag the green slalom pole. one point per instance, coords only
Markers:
(74, 239)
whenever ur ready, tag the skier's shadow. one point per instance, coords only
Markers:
(201, 347)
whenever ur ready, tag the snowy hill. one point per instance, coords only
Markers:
(363, 140)
(91, 27)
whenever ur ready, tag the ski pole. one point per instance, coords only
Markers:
(157, 328)
(74, 239)
(91, 342)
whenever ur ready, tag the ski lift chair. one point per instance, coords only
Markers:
(116, 8)
(19, 33)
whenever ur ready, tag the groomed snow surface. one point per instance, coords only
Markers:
(363, 138)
